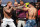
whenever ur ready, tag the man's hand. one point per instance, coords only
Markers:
(25, 22)
(16, 21)
(14, 8)
(1, 21)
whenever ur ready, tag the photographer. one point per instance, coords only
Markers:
(1, 12)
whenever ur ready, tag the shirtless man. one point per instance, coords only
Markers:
(7, 16)
(32, 16)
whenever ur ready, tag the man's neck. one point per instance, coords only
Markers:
(32, 7)
(16, 6)
(21, 5)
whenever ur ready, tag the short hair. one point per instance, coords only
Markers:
(9, 2)
(21, 1)
(32, 4)
(15, 2)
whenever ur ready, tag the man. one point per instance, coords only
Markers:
(37, 6)
(21, 15)
(16, 4)
(14, 13)
(39, 18)
(21, 3)
(1, 12)
(7, 16)
(32, 11)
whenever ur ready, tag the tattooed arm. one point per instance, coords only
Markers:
(7, 10)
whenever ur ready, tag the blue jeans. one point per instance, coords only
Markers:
(31, 23)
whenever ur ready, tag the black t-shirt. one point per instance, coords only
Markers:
(1, 11)
(14, 14)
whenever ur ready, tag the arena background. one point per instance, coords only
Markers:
(4, 2)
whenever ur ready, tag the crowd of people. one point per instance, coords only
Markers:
(20, 14)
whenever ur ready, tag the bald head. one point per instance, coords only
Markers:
(16, 4)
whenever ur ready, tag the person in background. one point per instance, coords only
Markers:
(38, 17)
(37, 6)
(14, 13)
(16, 5)
(1, 11)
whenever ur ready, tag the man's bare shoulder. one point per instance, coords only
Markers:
(35, 9)
(5, 8)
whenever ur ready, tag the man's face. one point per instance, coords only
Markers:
(0, 2)
(30, 5)
(9, 4)
(21, 2)
(15, 4)
(37, 5)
